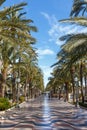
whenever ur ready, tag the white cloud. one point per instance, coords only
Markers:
(45, 52)
(57, 30)
(51, 19)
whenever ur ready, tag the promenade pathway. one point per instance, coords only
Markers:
(45, 114)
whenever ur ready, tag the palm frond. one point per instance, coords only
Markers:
(76, 20)
(2, 1)
(78, 7)
(73, 41)
(11, 9)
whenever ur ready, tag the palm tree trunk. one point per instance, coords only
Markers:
(81, 80)
(66, 89)
(25, 91)
(14, 79)
(13, 88)
(72, 81)
(4, 74)
(85, 85)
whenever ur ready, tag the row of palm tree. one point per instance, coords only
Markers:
(17, 53)
(72, 58)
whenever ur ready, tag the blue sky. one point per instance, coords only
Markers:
(46, 14)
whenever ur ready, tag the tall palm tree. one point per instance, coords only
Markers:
(6, 52)
(15, 32)
(75, 44)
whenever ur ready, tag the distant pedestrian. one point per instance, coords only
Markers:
(49, 96)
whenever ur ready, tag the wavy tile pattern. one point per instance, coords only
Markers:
(45, 114)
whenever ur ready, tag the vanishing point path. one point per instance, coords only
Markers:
(45, 114)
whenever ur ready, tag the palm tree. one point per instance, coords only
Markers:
(15, 32)
(75, 44)
(63, 74)
(28, 59)
(5, 52)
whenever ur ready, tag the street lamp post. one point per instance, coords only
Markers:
(17, 81)
(76, 84)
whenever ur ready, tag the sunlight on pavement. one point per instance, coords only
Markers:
(45, 114)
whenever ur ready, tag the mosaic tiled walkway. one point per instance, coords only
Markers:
(45, 114)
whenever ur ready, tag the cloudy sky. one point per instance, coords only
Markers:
(46, 15)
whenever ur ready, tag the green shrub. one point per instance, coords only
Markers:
(4, 104)
(21, 98)
(83, 104)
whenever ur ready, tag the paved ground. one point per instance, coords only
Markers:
(45, 114)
